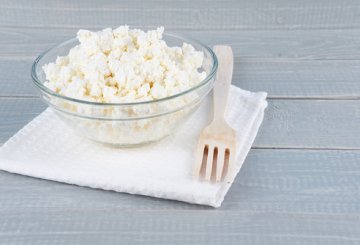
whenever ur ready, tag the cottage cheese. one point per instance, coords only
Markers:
(121, 66)
(124, 65)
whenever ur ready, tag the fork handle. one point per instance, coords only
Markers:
(222, 81)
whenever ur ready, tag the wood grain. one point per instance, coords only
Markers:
(311, 196)
(213, 15)
(305, 54)
(247, 45)
(327, 123)
(281, 79)
(311, 124)
(201, 227)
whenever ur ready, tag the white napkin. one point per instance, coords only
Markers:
(47, 149)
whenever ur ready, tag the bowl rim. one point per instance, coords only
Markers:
(45, 89)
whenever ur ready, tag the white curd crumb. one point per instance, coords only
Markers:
(124, 65)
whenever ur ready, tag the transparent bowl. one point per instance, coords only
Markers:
(126, 124)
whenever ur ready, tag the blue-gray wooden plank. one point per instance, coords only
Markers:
(288, 123)
(281, 79)
(198, 15)
(247, 45)
(279, 197)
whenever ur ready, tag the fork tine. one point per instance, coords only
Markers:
(230, 171)
(198, 160)
(209, 163)
(220, 163)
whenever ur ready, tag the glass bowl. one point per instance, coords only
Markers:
(126, 124)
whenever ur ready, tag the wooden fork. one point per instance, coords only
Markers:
(216, 149)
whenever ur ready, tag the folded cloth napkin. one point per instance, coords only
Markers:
(48, 149)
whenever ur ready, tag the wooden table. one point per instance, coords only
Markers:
(301, 181)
